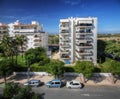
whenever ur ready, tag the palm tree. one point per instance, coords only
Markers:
(20, 40)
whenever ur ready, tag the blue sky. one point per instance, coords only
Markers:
(49, 12)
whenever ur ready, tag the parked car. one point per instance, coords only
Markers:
(54, 83)
(73, 84)
(34, 83)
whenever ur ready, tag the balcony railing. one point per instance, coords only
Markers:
(64, 34)
(25, 30)
(78, 33)
(84, 52)
(84, 25)
(65, 57)
(64, 45)
(64, 28)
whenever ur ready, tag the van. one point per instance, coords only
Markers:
(34, 83)
(54, 83)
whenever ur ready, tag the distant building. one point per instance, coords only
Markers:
(78, 39)
(3, 30)
(33, 33)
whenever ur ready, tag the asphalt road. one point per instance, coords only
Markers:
(88, 92)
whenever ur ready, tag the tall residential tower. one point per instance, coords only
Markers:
(78, 39)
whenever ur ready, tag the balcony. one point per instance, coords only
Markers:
(79, 33)
(64, 34)
(65, 56)
(25, 30)
(64, 45)
(37, 40)
(37, 44)
(84, 53)
(84, 39)
(65, 39)
(84, 25)
(64, 27)
(64, 51)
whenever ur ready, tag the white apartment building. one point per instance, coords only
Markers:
(78, 39)
(3, 30)
(33, 33)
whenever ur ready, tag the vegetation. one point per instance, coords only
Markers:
(111, 66)
(5, 68)
(53, 39)
(14, 91)
(56, 68)
(84, 67)
(108, 35)
(37, 55)
(113, 47)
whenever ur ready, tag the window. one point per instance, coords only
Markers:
(57, 82)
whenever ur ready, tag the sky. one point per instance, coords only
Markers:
(49, 12)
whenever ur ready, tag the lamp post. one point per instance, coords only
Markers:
(28, 71)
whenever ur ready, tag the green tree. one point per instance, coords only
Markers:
(10, 90)
(5, 68)
(21, 39)
(86, 68)
(37, 55)
(56, 68)
(10, 47)
(111, 66)
(113, 48)
(14, 91)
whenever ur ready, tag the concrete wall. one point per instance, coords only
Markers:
(65, 74)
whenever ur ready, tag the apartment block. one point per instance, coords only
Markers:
(3, 30)
(78, 39)
(33, 34)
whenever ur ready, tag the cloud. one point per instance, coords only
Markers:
(72, 2)
(8, 17)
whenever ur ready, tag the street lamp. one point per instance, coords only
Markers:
(28, 71)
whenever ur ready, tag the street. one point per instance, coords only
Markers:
(88, 92)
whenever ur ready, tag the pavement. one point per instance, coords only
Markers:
(93, 81)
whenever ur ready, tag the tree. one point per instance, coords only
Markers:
(86, 68)
(56, 68)
(10, 90)
(10, 47)
(14, 91)
(37, 55)
(111, 66)
(5, 68)
(101, 51)
(21, 40)
(113, 48)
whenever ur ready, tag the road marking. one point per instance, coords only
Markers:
(85, 94)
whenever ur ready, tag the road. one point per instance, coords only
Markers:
(88, 92)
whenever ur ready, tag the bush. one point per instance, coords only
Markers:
(38, 68)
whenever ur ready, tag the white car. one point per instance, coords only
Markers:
(73, 84)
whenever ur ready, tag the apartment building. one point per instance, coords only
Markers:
(78, 39)
(33, 34)
(3, 30)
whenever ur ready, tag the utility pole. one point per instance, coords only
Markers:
(28, 71)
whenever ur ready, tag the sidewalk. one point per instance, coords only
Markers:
(24, 78)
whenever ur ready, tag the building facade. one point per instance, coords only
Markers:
(78, 39)
(3, 30)
(33, 34)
